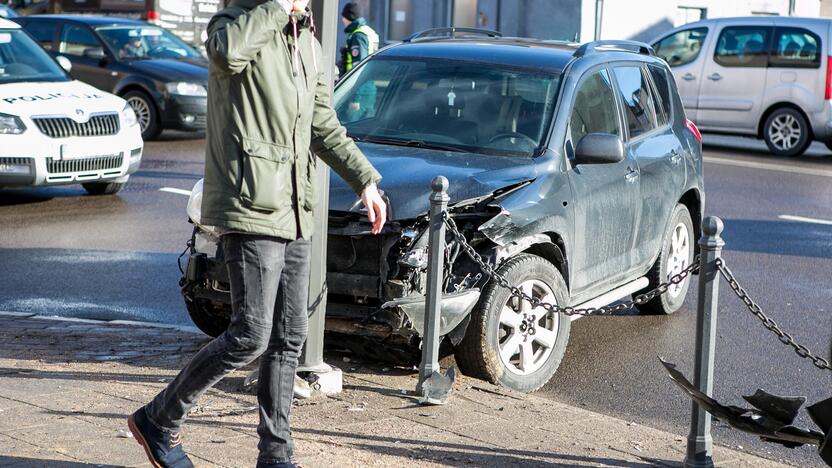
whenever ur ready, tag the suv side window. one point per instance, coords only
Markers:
(594, 110)
(43, 32)
(682, 47)
(795, 48)
(743, 46)
(639, 107)
(662, 84)
(75, 39)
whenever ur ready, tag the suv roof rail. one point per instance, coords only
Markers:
(614, 45)
(451, 32)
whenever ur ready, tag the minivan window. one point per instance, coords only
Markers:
(639, 108)
(43, 32)
(594, 110)
(662, 83)
(682, 47)
(795, 48)
(743, 46)
(75, 39)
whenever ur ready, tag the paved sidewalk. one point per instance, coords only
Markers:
(66, 388)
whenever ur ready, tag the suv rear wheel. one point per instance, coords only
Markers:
(507, 341)
(787, 132)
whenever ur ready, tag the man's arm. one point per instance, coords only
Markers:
(235, 39)
(359, 47)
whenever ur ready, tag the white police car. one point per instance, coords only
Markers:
(54, 130)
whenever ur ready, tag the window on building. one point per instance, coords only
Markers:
(682, 47)
(75, 39)
(43, 32)
(661, 81)
(743, 46)
(685, 15)
(795, 48)
(595, 110)
(639, 108)
(400, 19)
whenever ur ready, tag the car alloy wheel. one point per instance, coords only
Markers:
(785, 132)
(677, 259)
(527, 335)
(142, 110)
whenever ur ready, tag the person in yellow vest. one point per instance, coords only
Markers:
(361, 42)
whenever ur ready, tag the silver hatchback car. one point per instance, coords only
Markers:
(769, 77)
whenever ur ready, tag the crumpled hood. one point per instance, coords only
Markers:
(56, 98)
(407, 174)
(190, 70)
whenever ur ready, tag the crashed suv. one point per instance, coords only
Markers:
(572, 170)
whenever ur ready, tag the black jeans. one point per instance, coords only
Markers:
(269, 288)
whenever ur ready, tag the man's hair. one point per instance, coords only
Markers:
(352, 11)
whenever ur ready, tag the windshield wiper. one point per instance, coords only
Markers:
(410, 143)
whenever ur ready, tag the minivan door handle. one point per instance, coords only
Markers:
(715, 77)
(688, 77)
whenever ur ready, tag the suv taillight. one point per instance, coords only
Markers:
(828, 95)
(153, 15)
(692, 127)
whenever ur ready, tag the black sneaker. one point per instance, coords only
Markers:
(163, 449)
(262, 464)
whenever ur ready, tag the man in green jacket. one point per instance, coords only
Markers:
(268, 104)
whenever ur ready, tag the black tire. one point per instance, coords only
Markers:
(478, 355)
(668, 303)
(103, 188)
(786, 132)
(828, 144)
(211, 320)
(149, 118)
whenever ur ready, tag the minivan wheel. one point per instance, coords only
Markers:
(146, 113)
(787, 132)
(675, 256)
(510, 343)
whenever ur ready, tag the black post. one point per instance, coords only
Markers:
(433, 292)
(700, 442)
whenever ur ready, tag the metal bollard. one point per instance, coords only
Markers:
(433, 292)
(700, 442)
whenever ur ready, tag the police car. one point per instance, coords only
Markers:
(54, 130)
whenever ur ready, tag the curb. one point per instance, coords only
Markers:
(131, 323)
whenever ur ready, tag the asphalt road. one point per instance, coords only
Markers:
(65, 253)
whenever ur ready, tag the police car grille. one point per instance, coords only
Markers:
(83, 165)
(63, 127)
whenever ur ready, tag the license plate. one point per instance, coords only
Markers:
(69, 151)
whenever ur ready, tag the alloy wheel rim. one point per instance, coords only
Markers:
(526, 335)
(142, 111)
(678, 256)
(785, 132)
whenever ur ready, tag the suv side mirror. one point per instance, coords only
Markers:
(95, 53)
(599, 148)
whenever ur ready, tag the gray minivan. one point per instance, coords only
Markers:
(769, 77)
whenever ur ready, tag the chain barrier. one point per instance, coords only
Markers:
(662, 288)
(770, 324)
(535, 302)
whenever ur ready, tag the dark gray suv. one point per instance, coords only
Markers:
(572, 169)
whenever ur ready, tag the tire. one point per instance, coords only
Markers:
(671, 260)
(786, 132)
(211, 320)
(146, 113)
(479, 353)
(828, 144)
(103, 188)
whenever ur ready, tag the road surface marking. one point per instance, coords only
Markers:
(769, 166)
(177, 191)
(806, 220)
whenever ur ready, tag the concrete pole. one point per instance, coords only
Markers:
(312, 359)
(700, 442)
(433, 291)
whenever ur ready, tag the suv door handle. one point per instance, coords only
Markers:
(631, 176)
(675, 157)
(715, 77)
(688, 77)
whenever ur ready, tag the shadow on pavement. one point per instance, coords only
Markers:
(794, 238)
(42, 463)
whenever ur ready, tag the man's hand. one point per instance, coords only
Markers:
(299, 6)
(376, 208)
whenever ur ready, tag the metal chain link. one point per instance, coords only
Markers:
(770, 324)
(535, 302)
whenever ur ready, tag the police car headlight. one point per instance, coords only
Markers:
(128, 116)
(11, 125)
(183, 88)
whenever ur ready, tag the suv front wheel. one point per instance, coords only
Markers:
(507, 341)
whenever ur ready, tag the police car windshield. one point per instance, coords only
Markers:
(21, 59)
(145, 42)
(448, 105)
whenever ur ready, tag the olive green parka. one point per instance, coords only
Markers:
(268, 104)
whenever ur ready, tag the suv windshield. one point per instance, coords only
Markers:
(145, 42)
(21, 59)
(448, 105)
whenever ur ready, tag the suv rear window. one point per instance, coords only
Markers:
(662, 82)
(795, 48)
(743, 46)
(639, 107)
